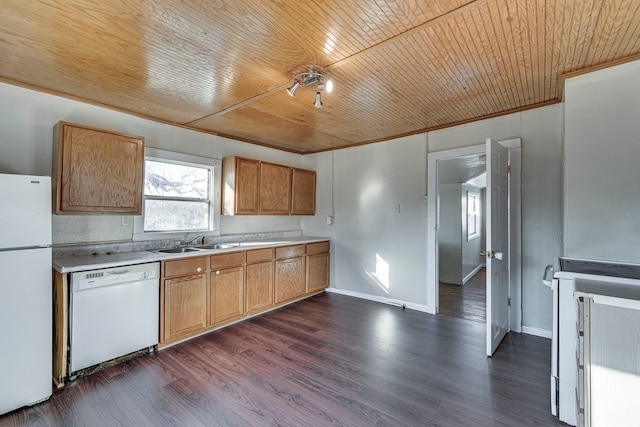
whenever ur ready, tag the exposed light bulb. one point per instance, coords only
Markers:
(328, 86)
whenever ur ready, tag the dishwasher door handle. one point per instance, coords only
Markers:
(126, 270)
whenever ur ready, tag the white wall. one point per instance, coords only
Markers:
(26, 130)
(458, 257)
(377, 252)
(602, 174)
(450, 234)
(470, 248)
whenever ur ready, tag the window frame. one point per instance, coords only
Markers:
(155, 154)
(477, 222)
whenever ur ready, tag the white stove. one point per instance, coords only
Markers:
(620, 280)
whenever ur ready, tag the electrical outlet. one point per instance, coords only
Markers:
(329, 220)
(125, 221)
(396, 208)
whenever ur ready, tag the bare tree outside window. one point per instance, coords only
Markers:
(177, 196)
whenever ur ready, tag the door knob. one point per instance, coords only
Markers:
(492, 255)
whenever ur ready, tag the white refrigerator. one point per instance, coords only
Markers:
(26, 331)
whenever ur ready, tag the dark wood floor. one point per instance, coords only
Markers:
(330, 360)
(466, 302)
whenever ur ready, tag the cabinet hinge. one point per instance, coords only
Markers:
(509, 169)
(509, 302)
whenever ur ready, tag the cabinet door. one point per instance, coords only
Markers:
(247, 175)
(289, 279)
(226, 295)
(185, 306)
(259, 284)
(97, 171)
(317, 272)
(275, 189)
(303, 192)
(240, 186)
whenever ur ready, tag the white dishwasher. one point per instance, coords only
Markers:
(113, 312)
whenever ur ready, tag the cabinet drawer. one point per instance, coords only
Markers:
(259, 255)
(289, 251)
(184, 266)
(229, 259)
(317, 248)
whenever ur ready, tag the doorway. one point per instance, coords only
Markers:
(461, 238)
(514, 219)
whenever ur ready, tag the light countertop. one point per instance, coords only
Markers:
(93, 262)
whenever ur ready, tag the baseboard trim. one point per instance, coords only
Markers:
(473, 273)
(383, 300)
(544, 333)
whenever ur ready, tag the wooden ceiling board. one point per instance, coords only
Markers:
(617, 33)
(399, 66)
(292, 130)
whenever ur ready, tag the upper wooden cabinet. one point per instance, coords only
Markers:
(241, 178)
(275, 189)
(303, 192)
(96, 171)
(252, 187)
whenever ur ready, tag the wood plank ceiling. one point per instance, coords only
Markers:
(399, 66)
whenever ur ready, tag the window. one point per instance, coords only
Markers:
(180, 195)
(473, 215)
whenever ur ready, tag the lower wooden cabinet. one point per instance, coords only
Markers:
(317, 272)
(317, 266)
(226, 295)
(203, 292)
(289, 279)
(259, 281)
(185, 306)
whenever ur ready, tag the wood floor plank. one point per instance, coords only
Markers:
(467, 301)
(330, 360)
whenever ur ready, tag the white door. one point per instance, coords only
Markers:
(497, 249)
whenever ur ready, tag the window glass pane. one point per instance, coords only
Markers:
(473, 214)
(168, 215)
(173, 180)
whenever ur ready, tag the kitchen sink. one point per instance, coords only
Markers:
(219, 246)
(177, 250)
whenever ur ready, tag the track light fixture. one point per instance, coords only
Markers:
(311, 78)
(292, 90)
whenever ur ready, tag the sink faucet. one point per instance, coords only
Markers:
(190, 241)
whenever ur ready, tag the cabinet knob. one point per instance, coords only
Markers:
(199, 269)
(217, 272)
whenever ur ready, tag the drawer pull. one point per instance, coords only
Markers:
(199, 269)
(217, 272)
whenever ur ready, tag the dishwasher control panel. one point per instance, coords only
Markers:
(83, 280)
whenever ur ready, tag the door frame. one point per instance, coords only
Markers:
(515, 225)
